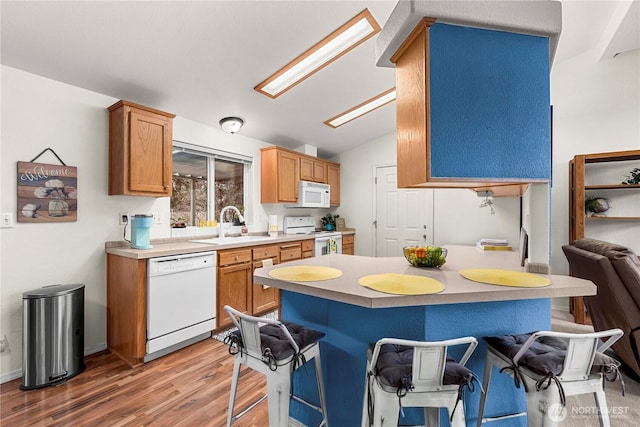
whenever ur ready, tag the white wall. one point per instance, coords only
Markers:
(536, 218)
(596, 108)
(38, 113)
(457, 216)
(185, 130)
(357, 173)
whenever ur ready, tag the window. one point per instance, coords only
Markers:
(205, 181)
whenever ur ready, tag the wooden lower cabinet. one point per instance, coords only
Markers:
(235, 277)
(348, 244)
(234, 283)
(290, 251)
(127, 308)
(127, 292)
(265, 298)
(307, 248)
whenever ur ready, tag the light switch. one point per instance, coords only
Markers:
(7, 220)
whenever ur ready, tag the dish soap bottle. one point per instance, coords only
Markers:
(244, 231)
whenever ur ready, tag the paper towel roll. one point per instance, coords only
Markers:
(273, 225)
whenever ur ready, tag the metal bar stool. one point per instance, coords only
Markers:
(269, 347)
(551, 365)
(415, 374)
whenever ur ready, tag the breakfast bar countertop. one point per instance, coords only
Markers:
(457, 289)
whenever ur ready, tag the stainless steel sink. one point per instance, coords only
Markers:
(231, 240)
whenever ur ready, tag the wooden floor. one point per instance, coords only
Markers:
(189, 387)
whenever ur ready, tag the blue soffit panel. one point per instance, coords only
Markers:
(490, 104)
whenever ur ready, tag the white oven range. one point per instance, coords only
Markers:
(326, 242)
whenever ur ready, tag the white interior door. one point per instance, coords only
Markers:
(404, 217)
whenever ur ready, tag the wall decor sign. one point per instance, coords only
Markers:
(47, 193)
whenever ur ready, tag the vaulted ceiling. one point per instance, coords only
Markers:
(201, 60)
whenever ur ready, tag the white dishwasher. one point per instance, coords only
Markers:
(181, 301)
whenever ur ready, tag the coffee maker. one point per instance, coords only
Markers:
(140, 231)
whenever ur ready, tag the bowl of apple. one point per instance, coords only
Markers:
(425, 256)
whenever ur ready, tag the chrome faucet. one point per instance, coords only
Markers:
(221, 222)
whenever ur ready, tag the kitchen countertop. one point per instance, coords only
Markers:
(457, 289)
(183, 245)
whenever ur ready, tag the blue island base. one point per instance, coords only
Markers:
(350, 329)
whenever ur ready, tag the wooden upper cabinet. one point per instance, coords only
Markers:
(472, 109)
(320, 171)
(278, 176)
(314, 170)
(140, 159)
(412, 107)
(333, 179)
(282, 169)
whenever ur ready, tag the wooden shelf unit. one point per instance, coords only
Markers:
(577, 196)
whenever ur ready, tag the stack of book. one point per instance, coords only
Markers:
(493, 245)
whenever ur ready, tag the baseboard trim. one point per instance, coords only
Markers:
(10, 376)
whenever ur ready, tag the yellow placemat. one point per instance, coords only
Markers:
(401, 284)
(305, 273)
(505, 277)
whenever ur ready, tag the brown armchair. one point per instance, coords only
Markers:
(615, 270)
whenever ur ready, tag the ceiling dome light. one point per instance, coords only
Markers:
(231, 124)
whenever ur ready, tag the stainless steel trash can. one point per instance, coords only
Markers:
(53, 335)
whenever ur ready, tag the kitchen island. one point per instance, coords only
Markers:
(353, 316)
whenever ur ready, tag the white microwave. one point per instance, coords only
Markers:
(313, 195)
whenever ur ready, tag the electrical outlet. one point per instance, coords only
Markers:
(7, 220)
(157, 218)
(123, 218)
